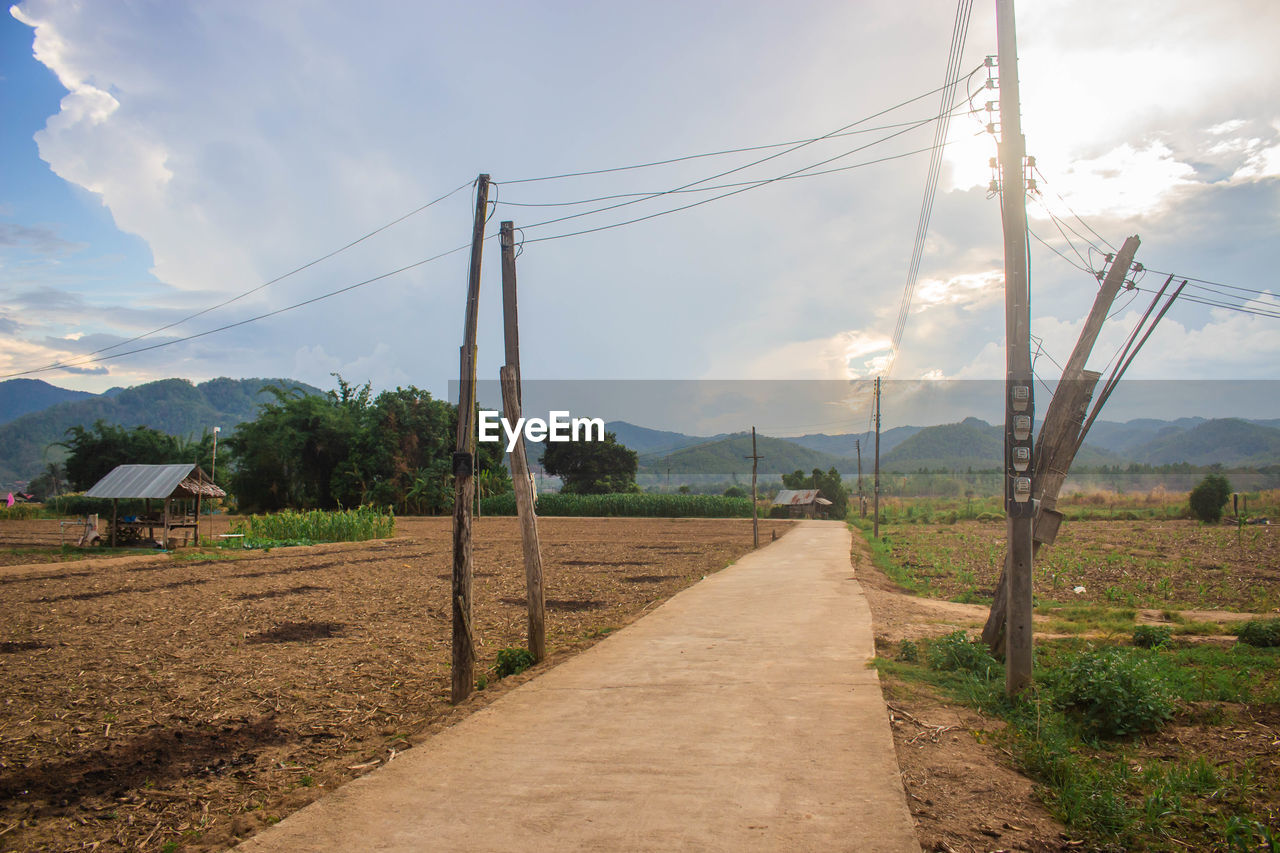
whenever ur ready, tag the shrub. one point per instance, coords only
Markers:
(957, 653)
(512, 661)
(1116, 693)
(908, 652)
(1263, 633)
(1151, 636)
(1208, 498)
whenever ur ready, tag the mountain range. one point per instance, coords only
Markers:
(34, 415)
(29, 431)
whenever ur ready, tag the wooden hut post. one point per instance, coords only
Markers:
(115, 519)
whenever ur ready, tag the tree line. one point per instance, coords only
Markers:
(344, 448)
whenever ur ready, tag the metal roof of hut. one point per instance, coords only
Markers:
(800, 497)
(155, 481)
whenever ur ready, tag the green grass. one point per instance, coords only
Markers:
(631, 505)
(1086, 618)
(1108, 789)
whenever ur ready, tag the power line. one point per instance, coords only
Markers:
(844, 131)
(803, 172)
(654, 193)
(951, 79)
(732, 171)
(251, 291)
(94, 358)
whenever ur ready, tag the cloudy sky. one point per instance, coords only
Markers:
(160, 158)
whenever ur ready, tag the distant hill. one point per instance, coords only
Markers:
(20, 397)
(724, 457)
(644, 440)
(845, 445)
(175, 406)
(1226, 441)
(1122, 438)
(972, 443)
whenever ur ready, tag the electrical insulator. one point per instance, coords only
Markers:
(991, 128)
(991, 84)
(991, 106)
(1022, 489)
(1138, 268)
(989, 62)
(1031, 185)
(1022, 427)
(1021, 458)
(992, 162)
(1031, 162)
(993, 187)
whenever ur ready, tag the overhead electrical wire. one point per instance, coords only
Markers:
(951, 79)
(844, 131)
(734, 170)
(259, 287)
(749, 185)
(95, 358)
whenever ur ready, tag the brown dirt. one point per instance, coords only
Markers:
(151, 700)
(961, 790)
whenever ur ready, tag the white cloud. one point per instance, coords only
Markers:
(241, 139)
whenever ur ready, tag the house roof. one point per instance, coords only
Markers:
(155, 481)
(800, 497)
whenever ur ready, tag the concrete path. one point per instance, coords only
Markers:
(740, 715)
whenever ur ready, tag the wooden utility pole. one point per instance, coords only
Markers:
(1060, 434)
(862, 499)
(512, 405)
(1019, 396)
(875, 495)
(528, 520)
(755, 509)
(464, 655)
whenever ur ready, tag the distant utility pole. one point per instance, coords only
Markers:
(875, 506)
(1019, 397)
(464, 655)
(755, 511)
(862, 499)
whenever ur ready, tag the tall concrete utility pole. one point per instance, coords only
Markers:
(1019, 398)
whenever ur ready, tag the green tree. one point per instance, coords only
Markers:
(592, 467)
(348, 448)
(1208, 498)
(829, 486)
(289, 455)
(95, 452)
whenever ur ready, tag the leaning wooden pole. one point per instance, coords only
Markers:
(523, 485)
(1060, 434)
(464, 655)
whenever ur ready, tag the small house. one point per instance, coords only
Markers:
(178, 488)
(803, 503)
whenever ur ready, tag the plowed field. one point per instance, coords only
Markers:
(153, 702)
